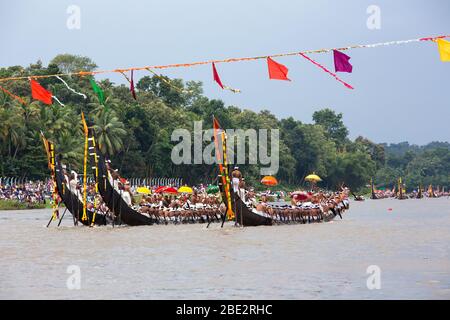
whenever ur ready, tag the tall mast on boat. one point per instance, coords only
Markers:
(223, 165)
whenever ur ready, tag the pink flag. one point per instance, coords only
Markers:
(216, 76)
(326, 70)
(341, 63)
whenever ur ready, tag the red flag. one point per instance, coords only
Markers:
(277, 71)
(216, 76)
(38, 92)
(133, 93)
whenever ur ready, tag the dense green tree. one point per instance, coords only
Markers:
(68, 63)
(333, 125)
(429, 167)
(375, 150)
(109, 132)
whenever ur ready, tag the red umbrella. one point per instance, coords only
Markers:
(160, 189)
(170, 190)
(300, 196)
(269, 181)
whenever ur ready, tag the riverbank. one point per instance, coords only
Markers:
(17, 205)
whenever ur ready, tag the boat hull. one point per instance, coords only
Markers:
(247, 218)
(114, 201)
(72, 202)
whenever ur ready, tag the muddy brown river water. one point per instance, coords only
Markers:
(410, 246)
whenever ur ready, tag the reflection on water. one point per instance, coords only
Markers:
(410, 243)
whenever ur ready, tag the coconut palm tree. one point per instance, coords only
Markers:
(54, 120)
(70, 145)
(12, 130)
(109, 131)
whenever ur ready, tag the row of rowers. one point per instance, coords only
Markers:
(194, 201)
(319, 202)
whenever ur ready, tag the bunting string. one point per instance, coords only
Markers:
(217, 79)
(327, 71)
(231, 60)
(67, 86)
(57, 100)
(13, 96)
(168, 82)
(234, 90)
(125, 76)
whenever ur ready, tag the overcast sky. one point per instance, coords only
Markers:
(401, 92)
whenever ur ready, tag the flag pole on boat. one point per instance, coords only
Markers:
(50, 150)
(86, 142)
(223, 167)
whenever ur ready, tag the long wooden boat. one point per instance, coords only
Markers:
(114, 201)
(248, 217)
(245, 216)
(72, 201)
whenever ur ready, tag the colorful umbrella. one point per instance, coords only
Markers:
(300, 196)
(185, 189)
(269, 181)
(123, 180)
(212, 189)
(313, 178)
(160, 189)
(170, 190)
(143, 190)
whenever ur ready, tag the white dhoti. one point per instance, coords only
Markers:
(242, 194)
(235, 182)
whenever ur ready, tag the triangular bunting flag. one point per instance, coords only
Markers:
(326, 70)
(38, 92)
(98, 91)
(216, 76)
(341, 62)
(277, 71)
(444, 49)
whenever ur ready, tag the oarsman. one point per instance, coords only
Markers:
(126, 194)
(66, 175)
(73, 182)
(236, 178)
(115, 180)
(242, 189)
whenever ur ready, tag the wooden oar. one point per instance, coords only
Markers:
(339, 213)
(209, 221)
(224, 217)
(60, 219)
(50, 221)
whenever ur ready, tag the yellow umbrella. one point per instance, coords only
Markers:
(143, 190)
(185, 189)
(313, 178)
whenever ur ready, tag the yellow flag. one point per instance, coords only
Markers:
(444, 49)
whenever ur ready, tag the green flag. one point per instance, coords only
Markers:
(98, 91)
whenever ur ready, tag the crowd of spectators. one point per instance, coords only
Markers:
(27, 192)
